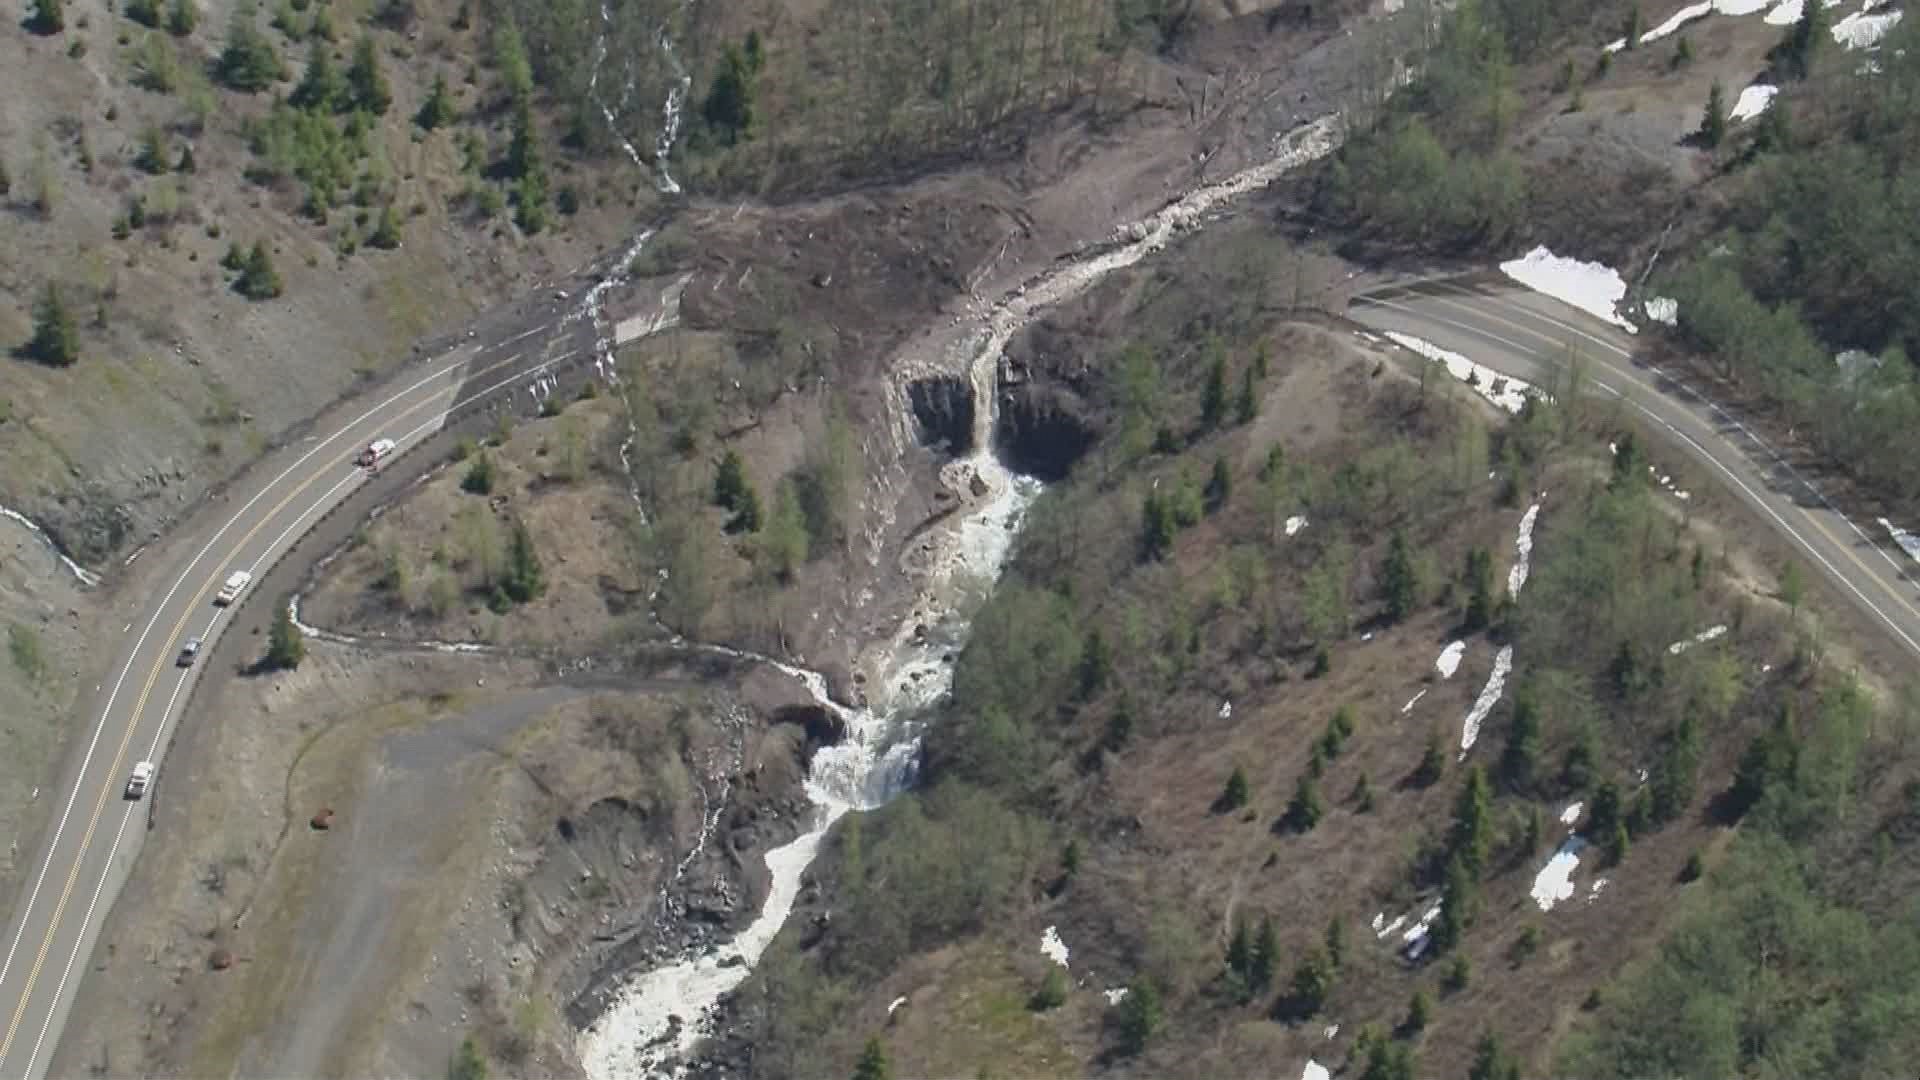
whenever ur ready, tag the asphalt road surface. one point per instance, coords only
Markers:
(1528, 336)
(96, 832)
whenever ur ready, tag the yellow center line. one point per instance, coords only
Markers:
(86, 839)
(1634, 380)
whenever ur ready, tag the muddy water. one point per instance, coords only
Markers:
(660, 1016)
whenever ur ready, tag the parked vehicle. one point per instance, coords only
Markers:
(376, 451)
(142, 777)
(237, 583)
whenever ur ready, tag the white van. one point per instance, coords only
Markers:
(237, 583)
(375, 451)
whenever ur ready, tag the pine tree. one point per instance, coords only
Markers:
(1472, 832)
(1235, 795)
(525, 579)
(1213, 395)
(1219, 486)
(1459, 901)
(1311, 986)
(321, 87)
(1383, 1059)
(285, 645)
(437, 111)
(186, 164)
(1676, 771)
(1419, 1011)
(1774, 132)
(56, 334)
(153, 157)
(1433, 761)
(1158, 527)
(1306, 809)
(258, 279)
(1633, 27)
(1265, 958)
(182, 17)
(1053, 989)
(49, 17)
(730, 481)
(247, 62)
(1479, 588)
(386, 234)
(728, 108)
(1713, 125)
(1240, 950)
(1140, 1016)
(478, 479)
(1521, 755)
(1096, 665)
(1336, 940)
(1399, 582)
(1490, 1062)
(873, 1063)
(365, 80)
(1804, 40)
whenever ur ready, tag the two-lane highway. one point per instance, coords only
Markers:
(1529, 336)
(97, 830)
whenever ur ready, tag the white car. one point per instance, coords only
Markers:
(142, 777)
(237, 583)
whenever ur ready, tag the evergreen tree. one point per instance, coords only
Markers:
(1459, 901)
(1770, 759)
(1804, 40)
(56, 333)
(1306, 809)
(479, 476)
(786, 537)
(728, 108)
(1382, 1058)
(49, 17)
(1096, 665)
(1713, 125)
(1604, 812)
(873, 1063)
(1633, 27)
(1219, 486)
(258, 279)
(1774, 132)
(321, 87)
(366, 82)
(1363, 795)
(1676, 771)
(1235, 795)
(247, 62)
(730, 483)
(1472, 832)
(1311, 986)
(1158, 527)
(1479, 588)
(1522, 753)
(1213, 394)
(1265, 958)
(1247, 406)
(510, 59)
(1240, 950)
(1140, 1016)
(186, 164)
(285, 645)
(386, 234)
(1399, 582)
(525, 579)
(1490, 1062)
(182, 17)
(437, 111)
(1336, 940)
(746, 515)
(1433, 761)
(6, 181)
(1419, 1012)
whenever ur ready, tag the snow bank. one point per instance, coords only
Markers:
(1448, 661)
(1908, 542)
(1315, 1071)
(1753, 101)
(1861, 30)
(1053, 947)
(1508, 393)
(1694, 13)
(1554, 882)
(1496, 683)
(1295, 524)
(1591, 287)
(1523, 563)
(1700, 638)
(1788, 12)
(1665, 310)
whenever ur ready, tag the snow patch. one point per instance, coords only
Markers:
(1554, 882)
(1523, 564)
(1315, 1071)
(1496, 683)
(1908, 542)
(1053, 947)
(1226, 710)
(1700, 638)
(897, 1002)
(1694, 13)
(1861, 30)
(1593, 893)
(1116, 995)
(86, 577)
(1788, 12)
(1379, 920)
(1295, 524)
(1572, 814)
(1448, 661)
(1665, 310)
(1591, 287)
(1388, 930)
(1753, 101)
(1507, 393)
(1411, 702)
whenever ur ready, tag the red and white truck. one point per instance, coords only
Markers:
(376, 451)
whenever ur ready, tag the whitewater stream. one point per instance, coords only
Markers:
(659, 1017)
